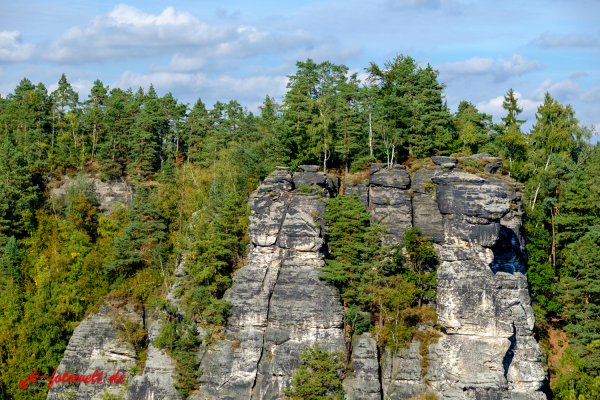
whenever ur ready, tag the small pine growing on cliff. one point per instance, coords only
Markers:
(318, 378)
(420, 264)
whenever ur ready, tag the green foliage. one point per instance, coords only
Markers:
(353, 248)
(180, 338)
(420, 264)
(145, 230)
(11, 261)
(319, 376)
(369, 278)
(58, 258)
(356, 322)
(411, 107)
(396, 297)
(573, 382)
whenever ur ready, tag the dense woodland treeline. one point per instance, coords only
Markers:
(194, 167)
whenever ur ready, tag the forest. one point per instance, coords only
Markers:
(194, 166)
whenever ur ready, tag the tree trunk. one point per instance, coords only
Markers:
(347, 155)
(370, 137)
(539, 183)
(553, 213)
(94, 142)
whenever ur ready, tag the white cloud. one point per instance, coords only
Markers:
(12, 49)
(198, 84)
(494, 106)
(496, 70)
(326, 52)
(128, 32)
(567, 40)
(566, 91)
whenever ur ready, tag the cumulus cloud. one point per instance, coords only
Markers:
(566, 91)
(128, 32)
(326, 52)
(494, 106)
(547, 40)
(12, 49)
(199, 84)
(496, 70)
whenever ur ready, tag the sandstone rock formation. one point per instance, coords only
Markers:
(280, 306)
(109, 193)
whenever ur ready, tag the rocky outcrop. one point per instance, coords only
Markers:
(363, 383)
(95, 346)
(156, 381)
(109, 193)
(483, 304)
(279, 305)
(389, 200)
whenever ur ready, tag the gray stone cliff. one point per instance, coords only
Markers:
(485, 349)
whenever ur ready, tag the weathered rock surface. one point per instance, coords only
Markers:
(279, 305)
(156, 381)
(483, 302)
(109, 193)
(389, 200)
(401, 376)
(363, 381)
(360, 188)
(95, 346)
(426, 214)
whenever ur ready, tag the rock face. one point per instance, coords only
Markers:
(95, 346)
(389, 200)
(483, 304)
(280, 307)
(363, 381)
(109, 193)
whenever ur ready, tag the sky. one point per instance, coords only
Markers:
(244, 50)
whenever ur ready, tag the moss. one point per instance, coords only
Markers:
(425, 396)
(304, 188)
(426, 338)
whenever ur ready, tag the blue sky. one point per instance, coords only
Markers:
(244, 49)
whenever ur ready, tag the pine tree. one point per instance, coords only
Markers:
(298, 107)
(122, 107)
(18, 192)
(197, 126)
(579, 293)
(144, 141)
(513, 111)
(555, 138)
(474, 128)
(411, 104)
(11, 260)
(348, 124)
(318, 375)
(143, 233)
(95, 114)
